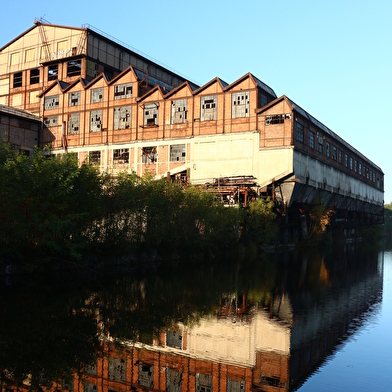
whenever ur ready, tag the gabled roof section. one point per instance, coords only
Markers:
(186, 84)
(37, 23)
(256, 81)
(63, 86)
(97, 79)
(273, 103)
(80, 80)
(222, 83)
(18, 37)
(150, 92)
(123, 73)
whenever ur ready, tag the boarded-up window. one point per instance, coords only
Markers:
(123, 91)
(15, 58)
(208, 108)
(179, 111)
(51, 102)
(151, 114)
(122, 117)
(97, 95)
(30, 55)
(74, 98)
(240, 104)
(34, 96)
(73, 123)
(96, 121)
(177, 153)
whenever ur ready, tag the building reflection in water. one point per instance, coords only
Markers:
(263, 337)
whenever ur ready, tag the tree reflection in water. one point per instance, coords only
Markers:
(232, 324)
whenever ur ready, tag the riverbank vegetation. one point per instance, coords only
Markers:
(56, 211)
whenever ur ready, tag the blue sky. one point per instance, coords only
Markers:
(333, 58)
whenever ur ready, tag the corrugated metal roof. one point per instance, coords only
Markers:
(263, 86)
(19, 113)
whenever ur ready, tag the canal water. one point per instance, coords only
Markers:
(306, 321)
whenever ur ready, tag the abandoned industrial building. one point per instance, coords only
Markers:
(99, 99)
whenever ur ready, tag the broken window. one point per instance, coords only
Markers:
(91, 369)
(272, 381)
(146, 375)
(122, 117)
(73, 123)
(51, 102)
(320, 146)
(208, 109)
(334, 152)
(174, 338)
(173, 380)
(95, 157)
(51, 121)
(300, 133)
(177, 153)
(117, 369)
(149, 155)
(96, 121)
(97, 95)
(311, 139)
(34, 76)
(203, 382)
(53, 72)
(123, 91)
(68, 384)
(74, 98)
(327, 149)
(151, 114)
(235, 385)
(89, 387)
(179, 111)
(74, 68)
(240, 104)
(274, 119)
(18, 79)
(121, 156)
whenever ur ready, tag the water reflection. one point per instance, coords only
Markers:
(241, 324)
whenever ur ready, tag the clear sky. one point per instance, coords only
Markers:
(332, 58)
